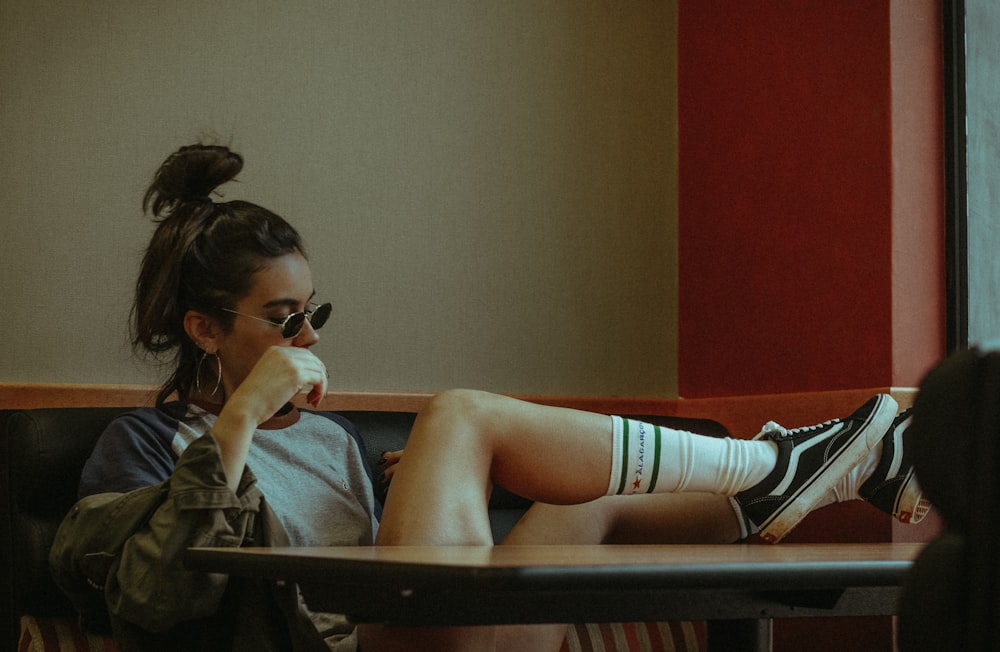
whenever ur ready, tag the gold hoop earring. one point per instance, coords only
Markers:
(218, 373)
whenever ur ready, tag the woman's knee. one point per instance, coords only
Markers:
(472, 409)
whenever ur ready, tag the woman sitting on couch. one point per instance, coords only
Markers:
(226, 290)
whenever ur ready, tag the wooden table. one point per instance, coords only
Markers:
(474, 585)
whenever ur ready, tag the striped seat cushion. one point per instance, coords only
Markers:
(60, 635)
(672, 636)
(63, 635)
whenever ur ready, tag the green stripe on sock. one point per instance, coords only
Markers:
(656, 460)
(624, 478)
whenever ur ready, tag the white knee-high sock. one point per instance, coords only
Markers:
(653, 459)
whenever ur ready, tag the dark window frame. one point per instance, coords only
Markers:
(956, 178)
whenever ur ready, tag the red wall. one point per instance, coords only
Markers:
(811, 217)
(788, 164)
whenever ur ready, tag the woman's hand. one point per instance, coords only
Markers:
(388, 463)
(280, 374)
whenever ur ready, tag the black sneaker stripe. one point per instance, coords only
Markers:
(790, 499)
(819, 473)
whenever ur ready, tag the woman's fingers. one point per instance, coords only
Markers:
(317, 392)
(280, 374)
(316, 378)
(388, 463)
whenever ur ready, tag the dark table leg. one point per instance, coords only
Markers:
(739, 635)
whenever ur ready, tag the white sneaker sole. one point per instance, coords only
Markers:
(911, 507)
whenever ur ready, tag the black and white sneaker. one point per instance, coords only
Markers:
(892, 487)
(811, 460)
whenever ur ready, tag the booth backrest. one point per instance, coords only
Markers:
(42, 453)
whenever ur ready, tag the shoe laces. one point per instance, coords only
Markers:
(777, 431)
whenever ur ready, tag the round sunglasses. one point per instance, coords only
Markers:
(292, 325)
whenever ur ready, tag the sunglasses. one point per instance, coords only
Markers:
(292, 325)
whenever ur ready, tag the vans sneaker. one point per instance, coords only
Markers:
(892, 487)
(811, 460)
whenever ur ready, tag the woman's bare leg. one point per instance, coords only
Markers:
(465, 441)
(650, 519)
(502, 440)
(461, 444)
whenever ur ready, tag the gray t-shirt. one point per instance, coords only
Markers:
(310, 469)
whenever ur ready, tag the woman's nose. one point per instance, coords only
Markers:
(307, 336)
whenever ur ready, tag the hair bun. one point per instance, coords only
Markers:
(190, 175)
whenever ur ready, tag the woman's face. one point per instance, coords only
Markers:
(282, 287)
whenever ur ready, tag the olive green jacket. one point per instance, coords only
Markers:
(120, 559)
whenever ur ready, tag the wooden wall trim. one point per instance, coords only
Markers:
(19, 396)
(741, 415)
(35, 395)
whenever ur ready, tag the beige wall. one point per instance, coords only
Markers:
(488, 189)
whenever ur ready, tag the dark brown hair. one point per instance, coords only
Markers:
(202, 256)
